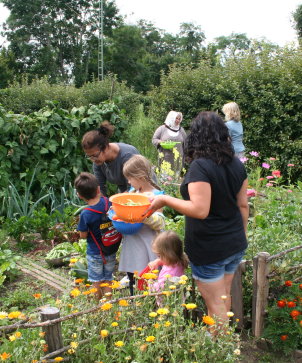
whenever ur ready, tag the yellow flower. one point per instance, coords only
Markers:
(167, 293)
(106, 306)
(150, 339)
(146, 293)
(70, 306)
(167, 323)
(119, 343)
(155, 271)
(167, 276)
(172, 287)
(237, 351)
(5, 356)
(104, 333)
(208, 320)
(149, 276)
(37, 296)
(18, 334)
(230, 314)
(74, 311)
(74, 345)
(104, 284)
(115, 285)
(12, 338)
(123, 303)
(58, 302)
(14, 315)
(58, 359)
(75, 292)
(74, 335)
(34, 361)
(70, 351)
(139, 328)
(163, 311)
(42, 334)
(156, 325)
(93, 290)
(87, 285)
(153, 314)
(73, 260)
(191, 306)
(86, 292)
(3, 315)
(114, 324)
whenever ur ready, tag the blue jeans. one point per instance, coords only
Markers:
(216, 271)
(97, 270)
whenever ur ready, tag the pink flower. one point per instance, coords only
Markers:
(289, 191)
(269, 177)
(272, 159)
(290, 164)
(269, 184)
(276, 173)
(254, 153)
(243, 160)
(265, 165)
(251, 192)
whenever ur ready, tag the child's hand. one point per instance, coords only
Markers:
(153, 265)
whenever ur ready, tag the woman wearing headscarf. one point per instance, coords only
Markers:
(171, 131)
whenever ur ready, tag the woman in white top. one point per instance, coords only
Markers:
(171, 130)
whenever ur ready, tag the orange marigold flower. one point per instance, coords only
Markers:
(300, 286)
(294, 313)
(291, 304)
(104, 333)
(5, 356)
(281, 303)
(283, 337)
(123, 303)
(149, 276)
(208, 320)
(37, 296)
(288, 283)
(58, 359)
(78, 281)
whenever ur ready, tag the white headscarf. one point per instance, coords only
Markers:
(170, 122)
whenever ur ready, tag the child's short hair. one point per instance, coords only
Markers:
(139, 167)
(168, 245)
(86, 185)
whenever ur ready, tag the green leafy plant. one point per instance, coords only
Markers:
(8, 267)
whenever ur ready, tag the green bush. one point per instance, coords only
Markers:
(266, 85)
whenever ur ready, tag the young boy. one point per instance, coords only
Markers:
(101, 256)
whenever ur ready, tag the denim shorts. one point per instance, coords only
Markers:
(97, 270)
(216, 271)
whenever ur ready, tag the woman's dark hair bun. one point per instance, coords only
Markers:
(106, 129)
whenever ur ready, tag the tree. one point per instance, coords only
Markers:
(55, 37)
(297, 16)
(8, 68)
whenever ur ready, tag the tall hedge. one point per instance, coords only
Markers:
(266, 85)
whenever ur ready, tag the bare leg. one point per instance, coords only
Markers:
(211, 293)
(101, 291)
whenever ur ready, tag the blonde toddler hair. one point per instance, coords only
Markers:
(231, 111)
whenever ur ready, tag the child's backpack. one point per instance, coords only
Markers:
(110, 237)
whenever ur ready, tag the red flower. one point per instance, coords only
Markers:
(276, 173)
(288, 283)
(291, 304)
(300, 286)
(284, 337)
(294, 314)
(281, 304)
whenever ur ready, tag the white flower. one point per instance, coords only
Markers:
(237, 352)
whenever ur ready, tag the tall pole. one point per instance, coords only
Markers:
(101, 43)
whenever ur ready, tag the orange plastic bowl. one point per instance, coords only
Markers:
(121, 204)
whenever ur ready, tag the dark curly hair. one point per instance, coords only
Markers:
(209, 138)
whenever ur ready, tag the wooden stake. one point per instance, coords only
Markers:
(260, 291)
(53, 333)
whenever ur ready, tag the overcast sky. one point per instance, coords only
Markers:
(269, 19)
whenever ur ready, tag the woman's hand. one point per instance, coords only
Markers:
(157, 203)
